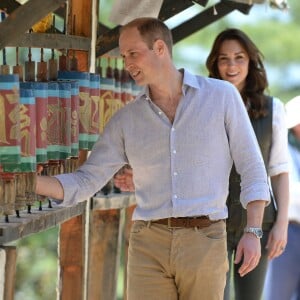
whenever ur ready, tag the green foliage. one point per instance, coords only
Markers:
(294, 9)
(276, 41)
(36, 273)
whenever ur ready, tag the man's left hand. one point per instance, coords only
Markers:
(249, 250)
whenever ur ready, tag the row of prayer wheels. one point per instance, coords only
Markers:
(47, 123)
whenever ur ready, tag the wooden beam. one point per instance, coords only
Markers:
(207, 17)
(9, 5)
(52, 41)
(37, 221)
(109, 40)
(23, 18)
(171, 8)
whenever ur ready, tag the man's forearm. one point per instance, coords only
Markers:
(50, 187)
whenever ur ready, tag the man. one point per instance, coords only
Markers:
(179, 136)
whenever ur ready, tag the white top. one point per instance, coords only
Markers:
(278, 162)
(294, 206)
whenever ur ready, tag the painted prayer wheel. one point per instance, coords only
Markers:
(65, 118)
(74, 118)
(83, 79)
(53, 122)
(10, 147)
(106, 101)
(27, 112)
(40, 91)
(95, 100)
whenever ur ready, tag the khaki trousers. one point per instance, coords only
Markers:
(181, 263)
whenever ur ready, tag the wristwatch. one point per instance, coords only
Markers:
(255, 230)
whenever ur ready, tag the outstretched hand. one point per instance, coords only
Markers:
(124, 180)
(248, 250)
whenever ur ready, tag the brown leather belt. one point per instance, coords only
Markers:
(188, 222)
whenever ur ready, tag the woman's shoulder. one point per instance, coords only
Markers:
(277, 106)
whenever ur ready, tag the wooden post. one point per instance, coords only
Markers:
(72, 233)
(8, 261)
(72, 257)
(127, 228)
(104, 254)
(81, 11)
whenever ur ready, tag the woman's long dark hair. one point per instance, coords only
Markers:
(256, 80)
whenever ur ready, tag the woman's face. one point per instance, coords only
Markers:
(233, 63)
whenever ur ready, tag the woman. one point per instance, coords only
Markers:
(284, 271)
(236, 59)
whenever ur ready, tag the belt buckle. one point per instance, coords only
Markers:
(170, 225)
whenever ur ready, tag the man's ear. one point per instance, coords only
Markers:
(159, 47)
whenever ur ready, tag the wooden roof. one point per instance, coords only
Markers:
(25, 16)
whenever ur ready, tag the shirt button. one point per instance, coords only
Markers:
(174, 151)
(159, 112)
(173, 129)
(175, 173)
(175, 196)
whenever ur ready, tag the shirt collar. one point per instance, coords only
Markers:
(189, 80)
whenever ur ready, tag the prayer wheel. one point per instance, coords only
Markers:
(83, 79)
(74, 118)
(95, 99)
(65, 118)
(27, 115)
(53, 122)
(106, 101)
(10, 145)
(40, 91)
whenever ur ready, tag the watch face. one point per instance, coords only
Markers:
(259, 233)
(256, 231)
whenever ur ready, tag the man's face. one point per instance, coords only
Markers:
(139, 60)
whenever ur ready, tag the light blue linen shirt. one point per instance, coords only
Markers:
(180, 169)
